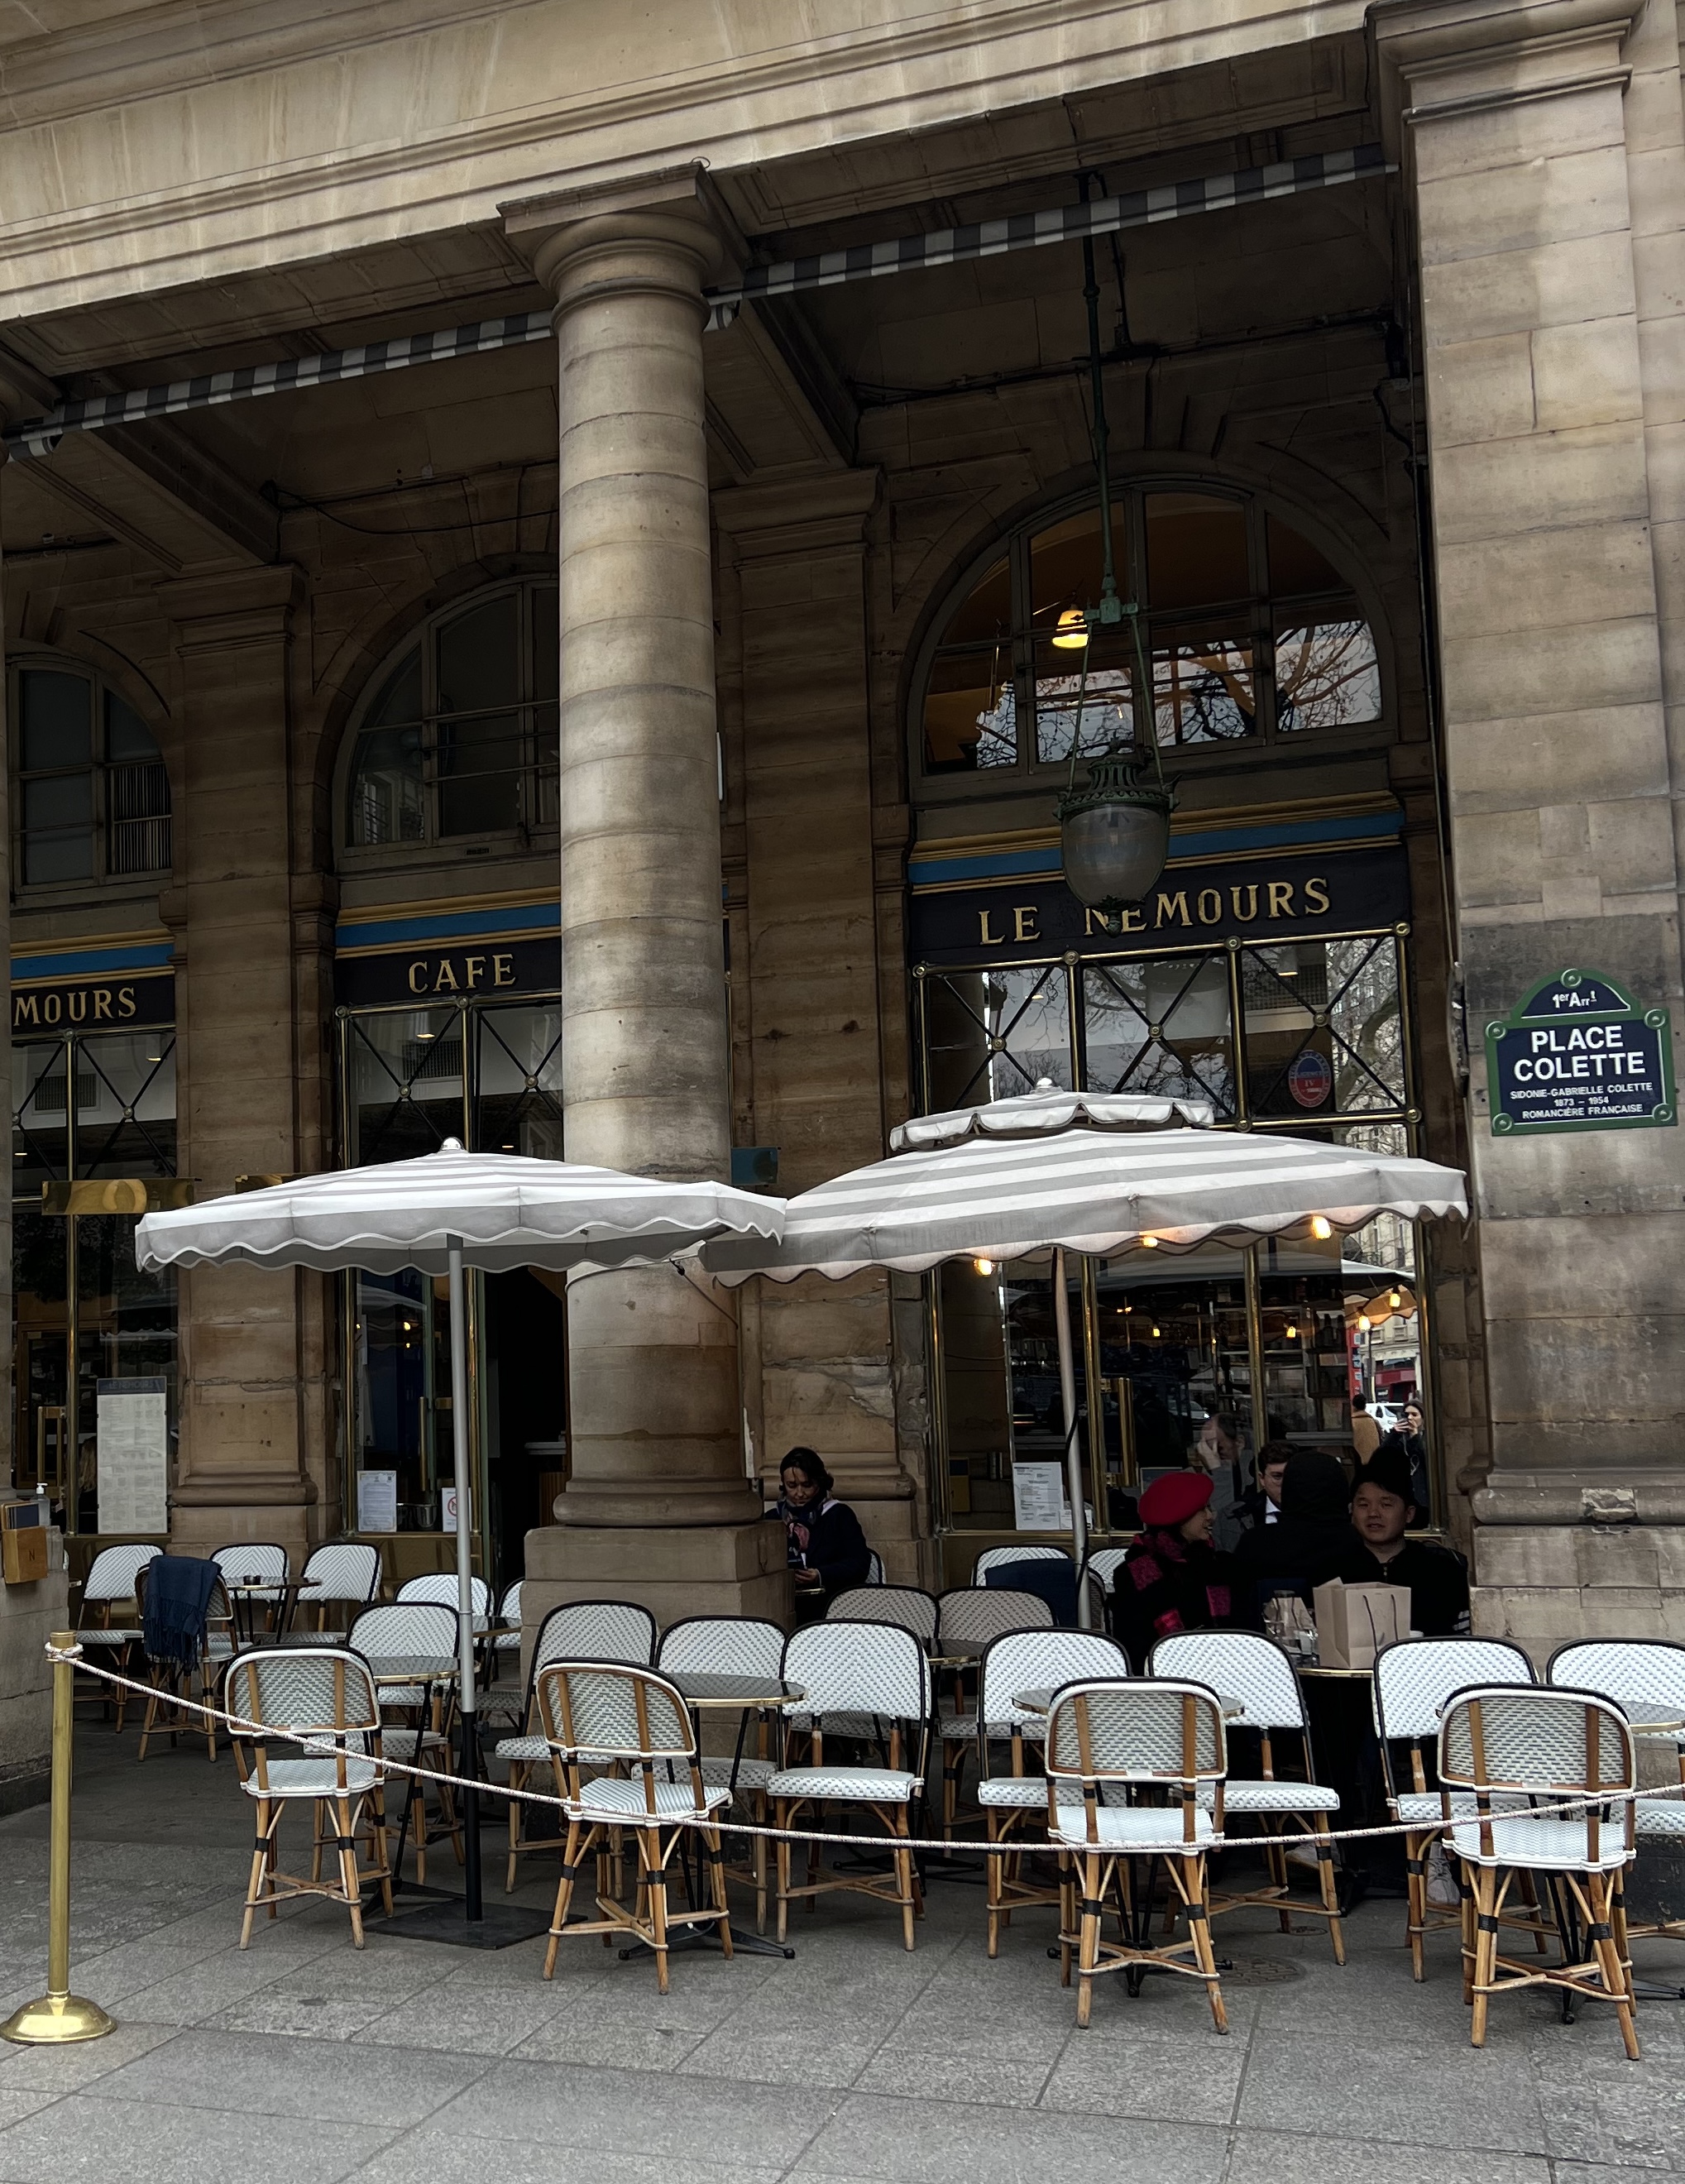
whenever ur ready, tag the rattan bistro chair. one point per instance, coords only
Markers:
(327, 1695)
(1499, 1741)
(343, 1574)
(1015, 1805)
(905, 1604)
(443, 1589)
(416, 1628)
(851, 1670)
(577, 1630)
(1243, 1665)
(968, 1616)
(113, 1583)
(1158, 1738)
(1413, 1681)
(734, 1646)
(1645, 1677)
(595, 1713)
(991, 1557)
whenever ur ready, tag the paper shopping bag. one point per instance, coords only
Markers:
(1353, 1622)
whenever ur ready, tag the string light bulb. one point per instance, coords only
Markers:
(1150, 1242)
(1364, 1323)
(1322, 1228)
(1158, 1330)
(1293, 1332)
(1394, 1300)
(983, 1265)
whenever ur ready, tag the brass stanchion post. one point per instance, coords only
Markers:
(59, 2016)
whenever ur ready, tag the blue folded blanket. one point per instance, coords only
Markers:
(179, 1589)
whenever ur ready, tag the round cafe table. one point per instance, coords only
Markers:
(1040, 1701)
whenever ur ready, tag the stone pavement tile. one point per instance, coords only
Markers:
(994, 2080)
(633, 2112)
(430, 2156)
(1172, 2081)
(578, 2036)
(272, 2076)
(215, 1984)
(113, 1975)
(919, 2142)
(281, 2009)
(463, 2019)
(1632, 2117)
(84, 2141)
(1458, 2096)
(1259, 2157)
(15, 2106)
(795, 2057)
(71, 2069)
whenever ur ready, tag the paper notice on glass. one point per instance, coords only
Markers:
(377, 1501)
(131, 1420)
(448, 1509)
(1038, 1501)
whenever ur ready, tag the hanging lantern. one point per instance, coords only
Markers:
(1072, 633)
(1115, 831)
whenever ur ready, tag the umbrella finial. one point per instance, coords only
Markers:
(1046, 1084)
(451, 1145)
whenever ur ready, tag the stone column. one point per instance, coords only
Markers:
(249, 1384)
(1542, 151)
(658, 1508)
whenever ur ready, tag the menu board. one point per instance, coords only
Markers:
(377, 1501)
(1039, 1498)
(132, 1455)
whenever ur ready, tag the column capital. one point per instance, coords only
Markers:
(1443, 58)
(661, 230)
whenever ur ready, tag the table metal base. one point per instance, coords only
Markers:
(500, 1925)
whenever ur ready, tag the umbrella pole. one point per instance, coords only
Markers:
(464, 1580)
(1073, 1459)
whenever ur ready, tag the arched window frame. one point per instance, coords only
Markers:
(537, 821)
(936, 784)
(130, 804)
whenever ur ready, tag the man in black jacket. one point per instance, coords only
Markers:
(1383, 1508)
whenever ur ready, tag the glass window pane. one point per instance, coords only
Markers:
(401, 699)
(57, 801)
(546, 641)
(1107, 704)
(1196, 551)
(1324, 1034)
(977, 1397)
(388, 795)
(125, 1329)
(1174, 1353)
(406, 1082)
(970, 717)
(39, 1261)
(57, 723)
(1306, 1365)
(1067, 565)
(479, 657)
(1326, 674)
(1160, 1025)
(126, 1104)
(39, 1133)
(546, 752)
(1295, 564)
(517, 1107)
(57, 856)
(480, 775)
(984, 616)
(392, 1326)
(993, 1034)
(128, 739)
(1205, 690)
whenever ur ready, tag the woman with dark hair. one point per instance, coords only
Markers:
(828, 1550)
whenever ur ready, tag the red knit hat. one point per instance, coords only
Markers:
(1172, 1500)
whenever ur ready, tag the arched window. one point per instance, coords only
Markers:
(1251, 633)
(459, 737)
(93, 795)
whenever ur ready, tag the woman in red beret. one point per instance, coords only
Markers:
(1173, 1579)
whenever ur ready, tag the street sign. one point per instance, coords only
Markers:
(1579, 1053)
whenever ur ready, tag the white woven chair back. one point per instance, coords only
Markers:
(990, 1555)
(111, 1575)
(1414, 1679)
(1239, 1665)
(344, 1569)
(904, 1604)
(722, 1646)
(595, 1630)
(1041, 1661)
(509, 1608)
(1151, 1729)
(874, 1568)
(315, 1688)
(263, 1559)
(973, 1615)
(1645, 1677)
(442, 1588)
(1106, 1563)
(854, 1668)
(1534, 1739)
(603, 1712)
(417, 1627)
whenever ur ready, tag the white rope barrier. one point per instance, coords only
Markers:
(323, 1746)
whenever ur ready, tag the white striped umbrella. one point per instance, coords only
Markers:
(1092, 1174)
(442, 1212)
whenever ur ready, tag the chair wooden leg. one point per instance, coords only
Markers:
(1067, 1913)
(1486, 1947)
(1330, 1894)
(1196, 1886)
(756, 1802)
(1616, 1976)
(517, 1782)
(1466, 1899)
(716, 1866)
(1529, 1894)
(254, 1887)
(1088, 1946)
(345, 1819)
(784, 1848)
(904, 1879)
(994, 1869)
(655, 1878)
(559, 1917)
(319, 1810)
(382, 1846)
(1416, 1890)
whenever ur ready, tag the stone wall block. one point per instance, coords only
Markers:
(1586, 374)
(1588, 474)
(1511, 292)
(1537, 201)
(1481, 391)
(1506, 585)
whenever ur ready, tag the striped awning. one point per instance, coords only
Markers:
(1098, 1192)
(866, 261)
(1029, 230)
(503, 1210)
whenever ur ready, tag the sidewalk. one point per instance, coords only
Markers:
(301, 2061)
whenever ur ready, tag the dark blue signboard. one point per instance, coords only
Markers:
(1579, 1053)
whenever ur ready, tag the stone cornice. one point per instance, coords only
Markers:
(1443, 57)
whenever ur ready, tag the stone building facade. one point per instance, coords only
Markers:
(383, 743)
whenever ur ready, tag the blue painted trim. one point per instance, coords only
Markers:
(1190, 847)
(448, 925)
(87, 961)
